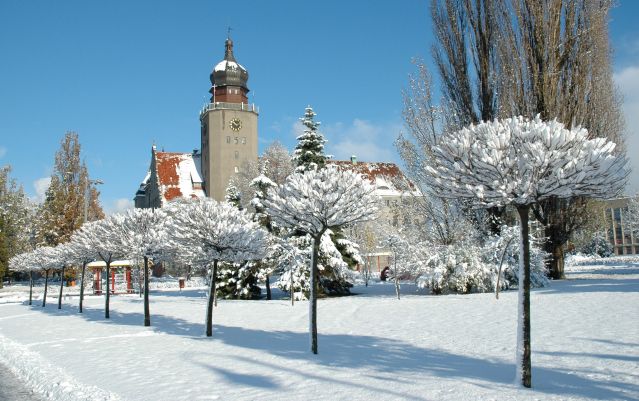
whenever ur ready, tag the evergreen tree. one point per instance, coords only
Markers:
(237, 280)
(65, 208)
(15, 220)
(233, 195)
(337, 254)
(309, 152)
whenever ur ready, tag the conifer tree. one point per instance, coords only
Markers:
(233, 195)
(309, 152)
(236, 280)
(337, 254)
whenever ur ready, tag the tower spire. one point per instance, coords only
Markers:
(228, 52)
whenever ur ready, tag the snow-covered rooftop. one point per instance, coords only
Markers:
(388, 178)
(178, 175)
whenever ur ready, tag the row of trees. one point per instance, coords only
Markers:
(70, 200)
(204, 233)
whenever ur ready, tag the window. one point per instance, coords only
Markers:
(237, 155)
(228, 139)
(237, 140)
(237, 169)
(243, 140)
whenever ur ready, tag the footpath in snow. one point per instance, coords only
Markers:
(371, 346)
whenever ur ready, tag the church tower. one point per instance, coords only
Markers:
(229, 126)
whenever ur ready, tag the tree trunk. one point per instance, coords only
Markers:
(108, 289)
(292, 290)
(268, 288)
(209, 308)
(84, 268)
(396, 276)
(524, 367)
(46, 286)
(61, 286)
(30, 287)
(555, 263)
(312, 302)
(147, 313)
(139, 281)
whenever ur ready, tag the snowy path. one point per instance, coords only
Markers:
(371, 346)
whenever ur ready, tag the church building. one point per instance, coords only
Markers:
(228, 141)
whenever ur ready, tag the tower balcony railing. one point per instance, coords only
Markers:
(229, 106)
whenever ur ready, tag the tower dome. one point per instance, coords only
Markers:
(229, 73)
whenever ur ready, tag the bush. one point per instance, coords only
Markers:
(598, 246)
(465, 267)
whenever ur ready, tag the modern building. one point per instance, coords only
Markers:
(228, 142)
(620, 234)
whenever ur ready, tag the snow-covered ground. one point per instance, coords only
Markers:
(371, 346)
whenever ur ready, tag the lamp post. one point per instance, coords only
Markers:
(87, 196)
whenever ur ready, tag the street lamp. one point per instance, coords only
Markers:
(87, 195)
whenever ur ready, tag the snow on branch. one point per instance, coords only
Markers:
(520, 161)
(320, 199)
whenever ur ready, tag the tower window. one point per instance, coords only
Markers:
(228, 139)
(243, 140)
(237, 169)
(237, 155)
(236, 140)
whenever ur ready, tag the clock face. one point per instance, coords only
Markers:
(235, 124)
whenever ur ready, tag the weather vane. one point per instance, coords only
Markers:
(228, 34)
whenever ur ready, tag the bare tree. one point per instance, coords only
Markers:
(501, 58)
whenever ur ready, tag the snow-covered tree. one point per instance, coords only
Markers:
(16, 220)
(631, 215)
(24, 262)
(276, 163)
(261, 185)
(64, 259)
(317, 201)
(217, 232)
(81, 251)
(599, 246)
(144, 236)
(309, 152)
(238, 280)
(45, 258)
(233, 195)
(105, 237)
(521, 162)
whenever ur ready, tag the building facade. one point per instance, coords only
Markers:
(621, 235)
(395, 190)
(228, 142)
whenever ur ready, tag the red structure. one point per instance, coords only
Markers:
(121, 280)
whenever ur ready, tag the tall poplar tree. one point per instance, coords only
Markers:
(500, 58)
(63, 210)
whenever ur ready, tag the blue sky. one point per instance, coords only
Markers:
(126, 74)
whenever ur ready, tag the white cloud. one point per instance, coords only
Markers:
(372, 142)
(120, 205)
(3, 151)
(628, 81)
(41, 185)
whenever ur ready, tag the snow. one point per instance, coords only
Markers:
(585, 339)
(225, 64)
